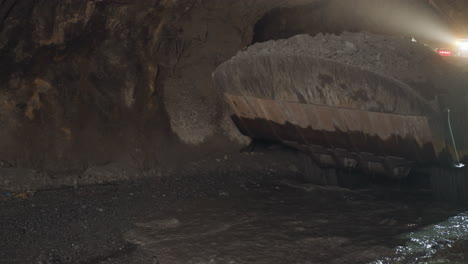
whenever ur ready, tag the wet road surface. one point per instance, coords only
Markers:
(279, 221)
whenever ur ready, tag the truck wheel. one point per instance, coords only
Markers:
(312, 173)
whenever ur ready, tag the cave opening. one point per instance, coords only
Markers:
(282, 23)
(321, 17)
(398, 18)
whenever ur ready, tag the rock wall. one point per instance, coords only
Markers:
(455, 11)
(86, 83)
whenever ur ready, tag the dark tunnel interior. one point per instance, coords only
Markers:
(233, 131)
(335, 17)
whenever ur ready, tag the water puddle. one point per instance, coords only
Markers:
(432, 241)
(319, 225)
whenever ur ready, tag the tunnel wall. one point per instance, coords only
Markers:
(92, 83)
(88, 84)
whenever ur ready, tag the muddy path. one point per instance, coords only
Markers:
(261, 221)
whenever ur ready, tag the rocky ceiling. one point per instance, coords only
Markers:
(87, 82)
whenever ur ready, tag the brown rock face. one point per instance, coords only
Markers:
(99, 81)
(88, 82)
(76, 77)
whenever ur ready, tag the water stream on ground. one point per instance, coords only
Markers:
(307, 225)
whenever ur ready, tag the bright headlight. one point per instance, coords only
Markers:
(463, 45)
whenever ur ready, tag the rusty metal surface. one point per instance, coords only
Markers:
(383, 134)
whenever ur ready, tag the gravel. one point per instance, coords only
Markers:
(395, 57)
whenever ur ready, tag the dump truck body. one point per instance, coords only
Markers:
(343, 116)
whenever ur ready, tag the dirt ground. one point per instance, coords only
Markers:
(212, 219)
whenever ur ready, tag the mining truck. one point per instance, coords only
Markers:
(347, 117)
